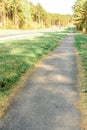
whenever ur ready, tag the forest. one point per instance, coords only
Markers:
(22, 14)
(80, 15)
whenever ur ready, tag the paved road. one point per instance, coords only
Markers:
(20, 34)
(47, 102)
(5, 37)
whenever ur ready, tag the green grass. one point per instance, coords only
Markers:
(81, 45)
(19, 56)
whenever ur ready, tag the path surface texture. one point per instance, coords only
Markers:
(48, 100)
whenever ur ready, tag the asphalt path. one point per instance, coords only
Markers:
(48, 99)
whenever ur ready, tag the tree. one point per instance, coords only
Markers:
(80, 15)
(21, 14)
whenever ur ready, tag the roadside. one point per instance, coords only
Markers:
(81, 48)
(47, 102)
(21, 34)
(82, 104)
(19, 56)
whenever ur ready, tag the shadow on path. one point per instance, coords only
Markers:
(47, 102)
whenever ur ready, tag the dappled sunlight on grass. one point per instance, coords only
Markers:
(18, 56)
(16, 51)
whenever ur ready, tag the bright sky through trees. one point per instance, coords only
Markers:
(56, 6)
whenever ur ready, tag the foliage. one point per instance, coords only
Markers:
(21, 14)
(81, 45)
(80, 15)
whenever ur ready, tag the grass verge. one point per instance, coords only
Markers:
(81, 46)
(18, 57)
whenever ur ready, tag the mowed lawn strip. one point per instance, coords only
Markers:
(19, 56)
(81, 46)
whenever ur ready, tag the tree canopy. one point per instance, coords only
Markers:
(80, 15)
(21, 14)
